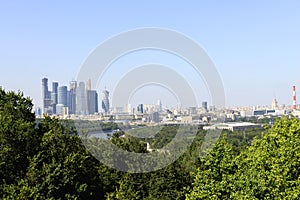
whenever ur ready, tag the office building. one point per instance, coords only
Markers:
(140, 108)
(54, 96)
(72, 97)
(204, 106)
(46, 97)
(159, 105)
(92, 102)
(62, 95)
(81, 99)
(105, 101)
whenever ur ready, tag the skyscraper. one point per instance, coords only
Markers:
(54, 93)
(140, 108)
(204, 106)
(46, 97)
(62, 95)
(54, 96)
(92, 99)
(105, 101)
(72, 101)
(88, 85)
(159, 105)
(274, 104)
(80, 99)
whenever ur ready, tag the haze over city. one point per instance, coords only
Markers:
(254, 45)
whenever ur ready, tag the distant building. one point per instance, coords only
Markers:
(232, 126)
(204, 106)
(38, 112)
(54, 93)
(88, 85)
(59, 109)
(72, 96)
(54, 96)
(263, 112)
(274, 104)
(62, 95)
(154, 117)
(46, 97)
(140, 108)
(159, 105)
(212, 108)
(80, 99)
(128, 109)
(105, 101)
(192, 110)
(92, 99)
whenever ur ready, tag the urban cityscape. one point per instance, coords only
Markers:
(152, 100)
(79, 101)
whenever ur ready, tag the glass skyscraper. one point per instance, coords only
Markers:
(46, 97)
(80, 99)
(62, 95)
(72, 101)
(92, 99)
(105, 101)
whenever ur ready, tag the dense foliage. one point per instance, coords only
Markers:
(46, 160)
(268, 169)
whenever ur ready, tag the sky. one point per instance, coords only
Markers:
(255, 45)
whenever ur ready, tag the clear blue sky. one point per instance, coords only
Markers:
(254, 44)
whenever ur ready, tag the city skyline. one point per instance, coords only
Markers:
(254, 45)
(62, 100)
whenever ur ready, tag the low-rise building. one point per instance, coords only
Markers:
(232, 126)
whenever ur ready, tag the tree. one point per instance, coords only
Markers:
(62, 168)
(269, 168)
(18, 140)
(213, 178)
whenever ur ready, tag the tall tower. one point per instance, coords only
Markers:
(72, 101)
(105, 101)
(45, 96)
(62, 95)
(294, 98)
(88, 85)
(92, 99)
(159, 105)
(204, 106)
(54, 93)
(54, 96)
(80, 99)
(274, 104)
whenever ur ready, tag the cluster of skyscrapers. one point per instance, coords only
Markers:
(79, 99)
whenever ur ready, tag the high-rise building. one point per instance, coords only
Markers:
(72, 96)
(80, 99)
(54, 93)
(88, 85)
(62, 95)
(54, 96)
(274, 104)
(92, 99)
(140, 108)
(159, 105)
(46, 97)
(204, 106)
(105, 101)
